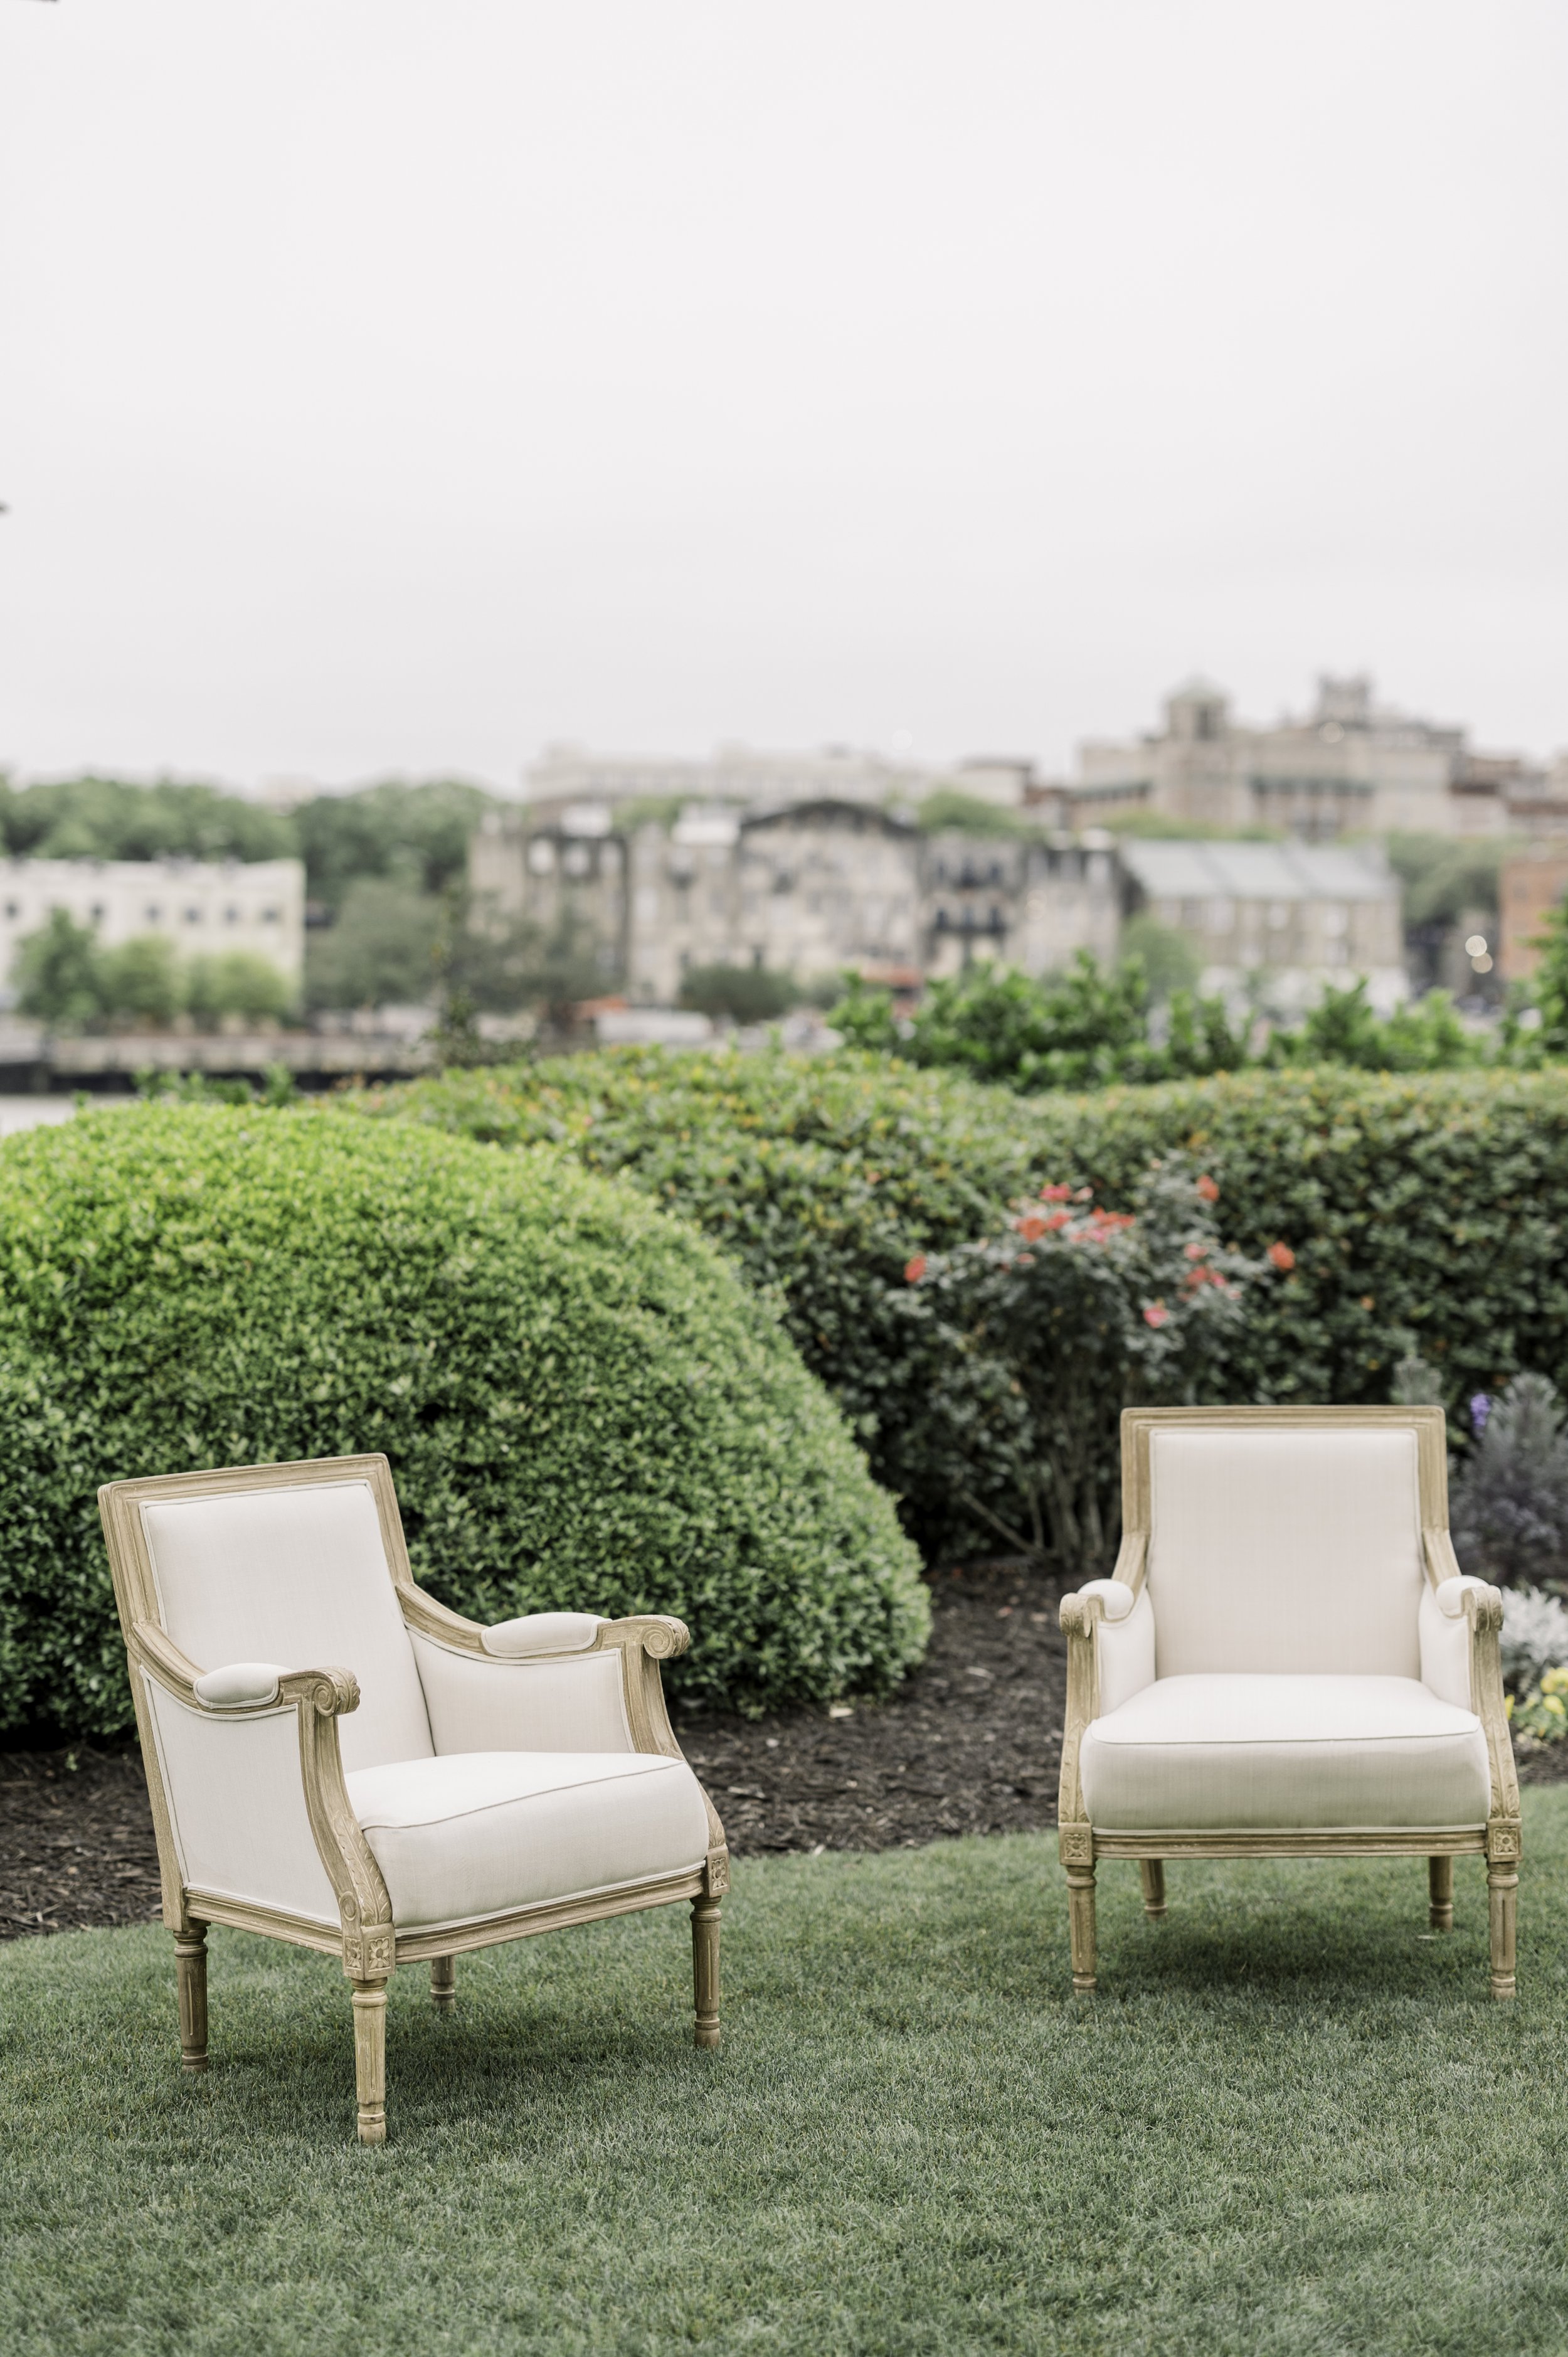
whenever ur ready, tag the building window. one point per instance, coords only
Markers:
(230, 915)
(152, 912)
(97, 912)
(193, 916)
(271, 916)
(13, 909)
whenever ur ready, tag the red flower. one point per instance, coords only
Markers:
(1058, 1220)
(1196, 1252)
(1281, 1257)
(1208, 1189)
(1055, 1194)
(1156, 1314)
(1030, 1226)
(914, 1270)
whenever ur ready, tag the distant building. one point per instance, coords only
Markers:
(1294, 915)
(1351, 767)
(1528, 888)
(808, 888)
(201, 906)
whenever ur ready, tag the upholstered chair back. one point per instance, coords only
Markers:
(1273, 1549)
(297, 1577)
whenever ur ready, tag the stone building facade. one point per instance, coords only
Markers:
(807, 888)
(1291, 915)
(1349, 767)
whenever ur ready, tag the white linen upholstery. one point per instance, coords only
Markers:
(297, 1575)
(240, 1685)
(236, 1803)
(476, 1704)
(1124, 1650)
(1444, 1634)
(1285, 1551)
(478, 1833)
(542, 1632)
(1271, 1752)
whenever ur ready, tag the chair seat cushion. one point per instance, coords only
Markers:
(472, 1834)
(1252, 1752)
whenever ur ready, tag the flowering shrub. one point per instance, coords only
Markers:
(1534, 1635)
(1542, 1712)
(1036, 1338)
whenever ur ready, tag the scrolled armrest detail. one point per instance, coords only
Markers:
(658, 1634)
(1117, 1598)
(1451, 1594)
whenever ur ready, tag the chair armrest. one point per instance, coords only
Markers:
(1110, 1630)
(1460, 1606)
(318, 1697)
(331, 1693)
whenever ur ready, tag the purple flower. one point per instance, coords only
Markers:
(1480, 1409)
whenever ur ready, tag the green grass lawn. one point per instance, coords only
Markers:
(1289, 2121)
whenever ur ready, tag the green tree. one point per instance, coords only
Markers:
(57, 972)
(381, 951)
(1424, 1035)
(238, 982)
(948, 807)
(748, 994)
(413, 835)
(104, 818)
(142, 979)
(1548, 991)
(1169, 959)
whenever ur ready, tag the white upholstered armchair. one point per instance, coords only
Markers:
(1287, 1662)
(336, 1759)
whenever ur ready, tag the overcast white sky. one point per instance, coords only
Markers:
(392, 385)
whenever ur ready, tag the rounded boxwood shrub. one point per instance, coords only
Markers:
(582, 1403)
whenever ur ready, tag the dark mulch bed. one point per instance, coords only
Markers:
(76, 1841)
(970, 1744)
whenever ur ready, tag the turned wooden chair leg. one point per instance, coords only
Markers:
(191, 1973)
(1502, 1899)
(443, 1983)
(370, 2059)
(1440, 1886)
(705, 1969)
(1080, 1921)
(1152, 1873)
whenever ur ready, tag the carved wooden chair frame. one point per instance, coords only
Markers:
(368, 1942)
(1082, 1845)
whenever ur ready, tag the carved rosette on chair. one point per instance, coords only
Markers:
(453, 1787)
(1286, 1662)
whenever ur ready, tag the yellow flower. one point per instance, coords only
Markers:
(1556, 1681)
(1553, 1702)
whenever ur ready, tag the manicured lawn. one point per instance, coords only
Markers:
(1289, 2122)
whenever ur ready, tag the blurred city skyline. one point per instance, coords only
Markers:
(395, 388)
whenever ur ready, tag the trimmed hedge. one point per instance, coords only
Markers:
(582, 1403)
(1425, 1211)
